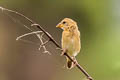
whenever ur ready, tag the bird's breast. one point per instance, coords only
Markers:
(71, 43)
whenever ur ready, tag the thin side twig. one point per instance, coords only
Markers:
(50, 39)
(28, 34)
(39, 37)
(43, 44)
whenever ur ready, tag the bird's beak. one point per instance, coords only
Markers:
(59, 26)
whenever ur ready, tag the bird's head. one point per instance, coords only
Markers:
(67, 24)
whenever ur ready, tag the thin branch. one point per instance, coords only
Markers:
(50, 39)
(43, 44)
(36, 32)
(39, 37)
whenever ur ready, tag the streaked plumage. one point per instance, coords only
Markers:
(70, 39)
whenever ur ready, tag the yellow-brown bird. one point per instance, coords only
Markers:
(70, 39)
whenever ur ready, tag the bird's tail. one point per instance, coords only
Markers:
(70, 64)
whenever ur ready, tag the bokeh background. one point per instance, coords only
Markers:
(99, 24)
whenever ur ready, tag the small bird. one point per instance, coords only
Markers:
(70, 39)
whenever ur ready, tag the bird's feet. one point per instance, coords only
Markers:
(63, 52)
(74, 61)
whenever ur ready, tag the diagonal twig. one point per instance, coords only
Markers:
(50, 39)
(36, 32)
(39, 37)
(42, 44)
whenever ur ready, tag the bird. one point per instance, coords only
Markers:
(70, 41)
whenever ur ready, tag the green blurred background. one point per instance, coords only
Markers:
(99, 24)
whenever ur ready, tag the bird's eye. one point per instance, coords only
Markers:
(64, 22)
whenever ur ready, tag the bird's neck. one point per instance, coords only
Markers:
(71, 32)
